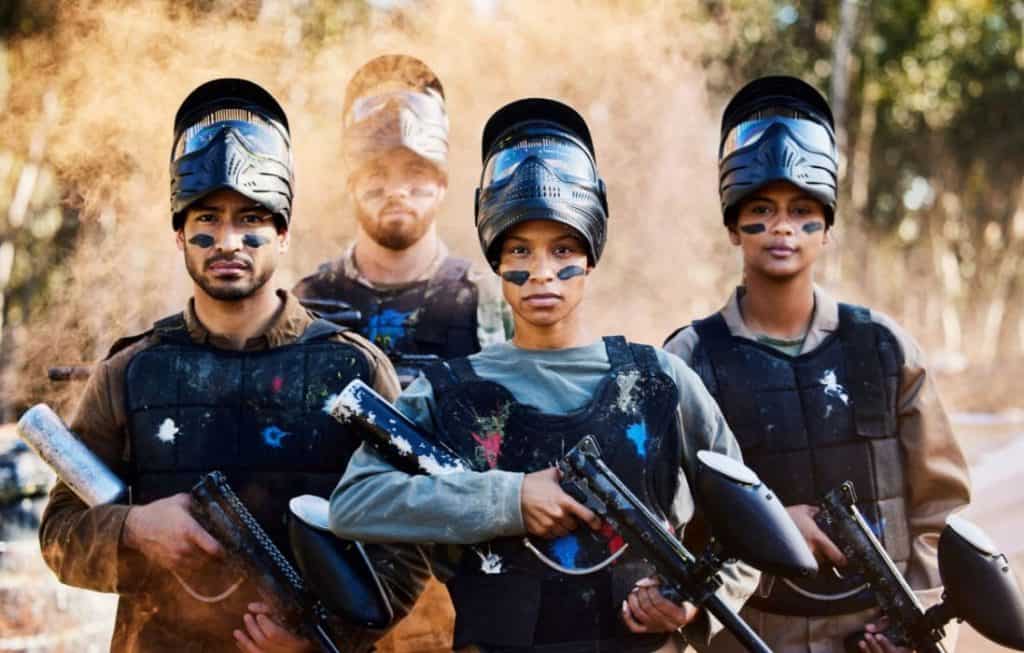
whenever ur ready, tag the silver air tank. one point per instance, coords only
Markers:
(78, 467)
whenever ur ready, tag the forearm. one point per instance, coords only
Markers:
(374, 502)
(83, 546)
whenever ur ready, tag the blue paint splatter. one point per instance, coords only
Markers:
(637, 434)
(272, 436)
(387, 328)
(564, 549)
(878, 528)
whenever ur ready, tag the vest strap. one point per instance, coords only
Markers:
(864, 371)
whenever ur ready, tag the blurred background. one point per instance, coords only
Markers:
(930, 227)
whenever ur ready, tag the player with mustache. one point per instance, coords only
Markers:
(413, 296)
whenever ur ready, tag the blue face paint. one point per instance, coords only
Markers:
(564, 550)
(272, 436)
(254, 240)
(813, 227)
(202, 240)
(756, 228)
(518, 277)
(637, 434)
(570, 271)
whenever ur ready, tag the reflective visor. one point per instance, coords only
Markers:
(427, 105)
(259, 135)
(563, 156)
(813, 136)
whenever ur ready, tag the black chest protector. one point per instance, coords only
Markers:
(257, 416)
(807, 423)
(435, 317)
(505, 598)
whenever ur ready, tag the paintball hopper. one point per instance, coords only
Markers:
(736, 503)
(980, 587)
(337, 571)
(72, 461)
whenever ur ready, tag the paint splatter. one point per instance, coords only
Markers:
(570, 271)
(755, 228)
(168, 429)
(627, 384)
(833, 388)
(202, 240)
(272, 436)
(401, 444)
(254, 240)
(276, 384)
(518, 277)
(637, 434)
(813, 227)
(334, 405)
(490, 563)
(388, 327)
(431, 466)
(565, 549)
(615, 541)
(490, 444)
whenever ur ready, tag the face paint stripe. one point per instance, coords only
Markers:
(570, 271)
(518, 277)
(202, 240)
(756, 228)
(812, 227)
(254, 240)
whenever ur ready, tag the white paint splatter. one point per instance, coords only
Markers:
(168, 429)
(490, 563)
(833, 388)
(331, 405)
(434, 468)
(627, 383)
(401, 444)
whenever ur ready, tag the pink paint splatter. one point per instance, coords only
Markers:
(491, 445)
(615, 541)
(277, 384)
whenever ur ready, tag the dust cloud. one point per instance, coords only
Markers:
(103, 86)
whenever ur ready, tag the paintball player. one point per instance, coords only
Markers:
(235, 382)
(413, 297)
(515, 407)
(817, 392)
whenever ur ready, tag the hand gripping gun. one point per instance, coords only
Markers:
(980, 587)
(335, 620)
(747, 519)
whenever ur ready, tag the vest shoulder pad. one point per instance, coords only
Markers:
(124, 343)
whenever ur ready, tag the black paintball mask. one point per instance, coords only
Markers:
(395, 101)
(232, 134)
(777, 129)
(539, 165)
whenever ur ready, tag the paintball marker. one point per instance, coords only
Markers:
(742, 506)
(252, 554)
(970, 567)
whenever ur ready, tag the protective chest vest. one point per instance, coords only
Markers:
(807, 423)
(435, 317)
(504, 597)
(257, 416)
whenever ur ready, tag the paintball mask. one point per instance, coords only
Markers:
(395, 101)
(539, 165)
(232, 134)
(777, 129)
